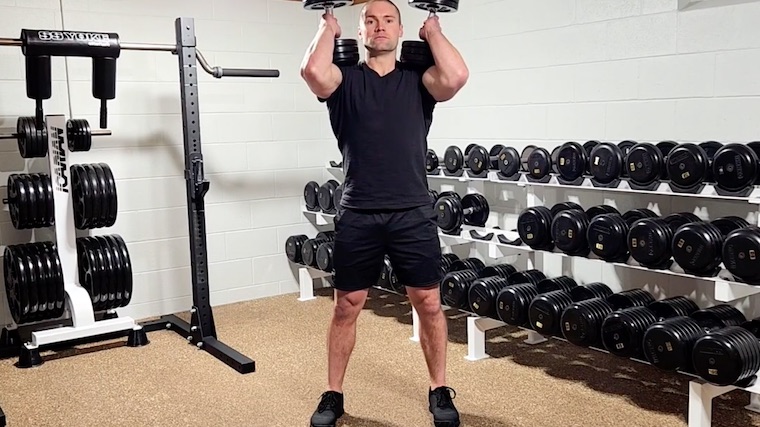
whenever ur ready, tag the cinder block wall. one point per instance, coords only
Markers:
(542, 72)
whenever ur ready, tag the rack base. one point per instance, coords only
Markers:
(210, 344)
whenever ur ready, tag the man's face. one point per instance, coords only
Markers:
(381, 28)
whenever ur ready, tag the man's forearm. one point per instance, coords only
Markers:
(319, 55)
(448, 60)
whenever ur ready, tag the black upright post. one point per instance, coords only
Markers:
(201, 331)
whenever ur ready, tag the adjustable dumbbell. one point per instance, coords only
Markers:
(416, 53)
(472, 209)
(345, 51)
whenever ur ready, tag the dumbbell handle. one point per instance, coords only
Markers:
(95, 132)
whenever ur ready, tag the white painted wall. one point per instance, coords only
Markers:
(542, 72)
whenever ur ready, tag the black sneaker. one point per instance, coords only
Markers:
(442, 407)
(329, 410)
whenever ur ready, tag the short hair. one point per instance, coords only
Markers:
(364, 8)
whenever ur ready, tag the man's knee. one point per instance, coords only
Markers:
(348, 305)
(427, 301)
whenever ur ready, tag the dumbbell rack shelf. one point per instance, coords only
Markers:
(707, 192)
(701, 393)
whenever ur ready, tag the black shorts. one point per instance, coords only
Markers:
(409, 237)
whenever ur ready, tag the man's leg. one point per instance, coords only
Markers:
(415, 253)
(357, 259)
(342, 335)
(433, 331)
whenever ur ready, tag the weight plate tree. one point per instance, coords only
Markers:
(201, 330)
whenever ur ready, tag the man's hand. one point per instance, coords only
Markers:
(329, 21)
(430, 26)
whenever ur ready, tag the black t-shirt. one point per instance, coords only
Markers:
(381, 124)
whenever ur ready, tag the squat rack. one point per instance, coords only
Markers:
(104, 48)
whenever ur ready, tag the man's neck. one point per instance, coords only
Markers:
(382, 64)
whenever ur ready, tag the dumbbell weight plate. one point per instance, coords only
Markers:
(326, 195)
(478, 160)
(321, 4)
(311, 195)
(735, 167)
(439, 6)
(113, 199)
(606, 162)
(449, 213)
(480, 209)
(325, 256)
(453, 159)
(644, 163)
(126, 266)
(509, 162)
(740, 254)
(539, 163)
(572, 161)
(97, 196)
(524, 155)
(431, 161)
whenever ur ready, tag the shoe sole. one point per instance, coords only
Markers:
(446, 423)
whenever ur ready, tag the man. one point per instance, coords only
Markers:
(381, 113)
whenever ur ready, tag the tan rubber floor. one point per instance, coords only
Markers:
(172, 383)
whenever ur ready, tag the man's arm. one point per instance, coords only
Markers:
(317, 68)
(449, 74)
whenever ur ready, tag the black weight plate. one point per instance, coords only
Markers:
(23, 201)
(453, 159)
(711, 147)
(36, 204)
(108, 269)
(105, 202)
(13, 207)
(127, 264)
(734, 167)
(310, 195)
(478, 159)
(322, 4)
(60, 291)
(431, 161)
(539, 163)
(82, 195)
(41, 207)
(480, 207)
(338, 197)
(449, 213)
(117, 273)
(741, 254)
(493, 156)
(49, 200)
(40, 279)
(625, 147)
(572, 161)
(99, 196)
(644, 163)
(98, 276)
(48, 267)
(87, 271)
(326, 195)
(687, 165)
(421, 49)
(439, 6)
(555, 157)
(112, 195)
(21, 284)
(32, 281)
(509, 161)
(606, 162)
(524, 155)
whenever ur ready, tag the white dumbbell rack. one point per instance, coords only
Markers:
(701, 393)
(78, 306)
